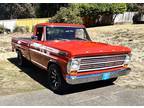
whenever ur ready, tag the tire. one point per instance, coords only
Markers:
(56, 81)
(20, 59)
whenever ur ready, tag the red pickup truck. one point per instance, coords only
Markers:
(69, 56)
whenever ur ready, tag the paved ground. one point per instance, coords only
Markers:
(86, 94)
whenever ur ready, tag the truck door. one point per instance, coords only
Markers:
(35, 47)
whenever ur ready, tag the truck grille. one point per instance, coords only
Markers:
(101, 62)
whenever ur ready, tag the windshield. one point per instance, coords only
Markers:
(66, 33)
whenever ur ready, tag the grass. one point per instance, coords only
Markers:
(13, 79)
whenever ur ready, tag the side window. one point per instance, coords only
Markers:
(39, 32)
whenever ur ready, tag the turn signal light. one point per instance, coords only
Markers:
(73, 73)
(125, 65)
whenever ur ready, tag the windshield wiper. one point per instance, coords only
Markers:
(62, 39)
(80, 39)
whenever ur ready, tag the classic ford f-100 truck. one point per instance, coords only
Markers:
(69, 56)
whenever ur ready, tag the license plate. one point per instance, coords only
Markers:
(106, 76)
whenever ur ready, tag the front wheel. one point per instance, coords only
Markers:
(56, 81)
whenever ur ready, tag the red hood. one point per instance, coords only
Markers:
(87, 48)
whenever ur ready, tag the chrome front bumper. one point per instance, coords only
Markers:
(96, 77)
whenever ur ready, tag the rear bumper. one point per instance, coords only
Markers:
(96, 77)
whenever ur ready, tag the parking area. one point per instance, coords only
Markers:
(106, 95)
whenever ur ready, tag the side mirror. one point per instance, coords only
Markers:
(34, 37)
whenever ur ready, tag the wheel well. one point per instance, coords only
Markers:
(17, 50)
(51, 62)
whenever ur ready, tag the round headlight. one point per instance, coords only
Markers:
(73, 65)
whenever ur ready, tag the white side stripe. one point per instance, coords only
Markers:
(42, 47)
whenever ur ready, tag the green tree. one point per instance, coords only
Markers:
(48, 9)
(98, 12)
(90, 13)
(67, 15)
(132, 7)
(16, 10)
(94, 9)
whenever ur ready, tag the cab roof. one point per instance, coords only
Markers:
(60, 25)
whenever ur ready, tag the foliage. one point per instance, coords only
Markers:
(89, 13)
(135, 7)
(48, 9)
(67, 15)
(132, 7)
(93, 9)
(31, 10)
(4, 30)
(21, 29)
(140, 7)
(16, 10)
(117, 8)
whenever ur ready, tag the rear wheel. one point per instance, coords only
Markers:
(20, 58)
(56, 81)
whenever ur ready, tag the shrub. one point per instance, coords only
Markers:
(21, 29)
(94, 9)
(101, 10)
(90, 14)
(67, 15)
(4, 30)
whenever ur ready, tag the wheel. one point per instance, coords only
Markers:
(56, 81)
(20, 58)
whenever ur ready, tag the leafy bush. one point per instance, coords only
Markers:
(67, 15)
(4, 30)
(90, 14)
(132, 7)
(96, 14)
(21, 29)
(93, 9)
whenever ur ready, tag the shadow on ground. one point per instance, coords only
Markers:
(40, 76)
